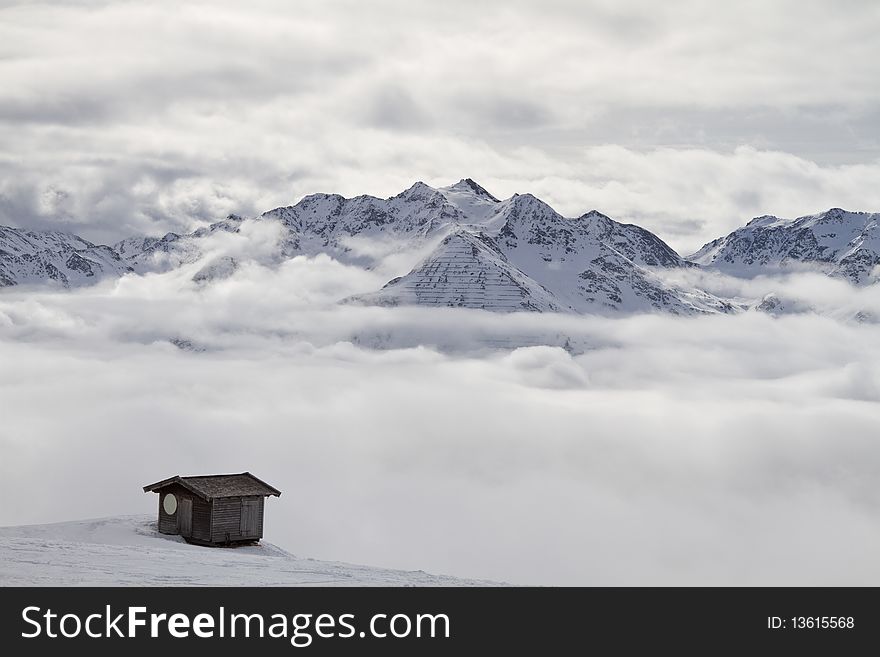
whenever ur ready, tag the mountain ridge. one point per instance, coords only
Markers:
(502, 255)
(837, 242)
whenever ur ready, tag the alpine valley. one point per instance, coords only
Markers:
(476, 251)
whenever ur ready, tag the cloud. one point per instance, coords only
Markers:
(801, 290)
(717, 450)
(117, 120)
(547, 367)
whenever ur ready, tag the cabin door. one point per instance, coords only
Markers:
(185, 517)
(249, 517)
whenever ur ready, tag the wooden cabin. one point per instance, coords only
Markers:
(213, 509)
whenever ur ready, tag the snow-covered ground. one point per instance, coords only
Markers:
(128, 551)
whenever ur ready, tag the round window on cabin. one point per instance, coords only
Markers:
(169, 504)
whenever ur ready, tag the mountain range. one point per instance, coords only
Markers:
(516, 254)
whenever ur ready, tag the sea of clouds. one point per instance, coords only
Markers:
(532, 449)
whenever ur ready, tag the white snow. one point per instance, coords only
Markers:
(28, 257)
(129, 551)
(466, 271)
(526, 256)
(836, 242)
(475, 203)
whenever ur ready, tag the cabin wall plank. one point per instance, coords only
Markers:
(226, 519)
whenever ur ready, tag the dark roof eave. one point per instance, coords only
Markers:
(176, 479)
(275, 492)
(160, 484)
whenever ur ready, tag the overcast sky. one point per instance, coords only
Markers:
(121, 118)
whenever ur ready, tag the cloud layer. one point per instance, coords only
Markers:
(725, 450)
(122, 119)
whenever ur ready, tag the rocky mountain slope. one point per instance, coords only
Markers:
(839, 243)
(466, 270)
(39, 256)
(520, 254)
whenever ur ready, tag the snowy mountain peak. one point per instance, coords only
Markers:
(29, 257)
(763, 220)
(526, 207)
(595, 214)
(418, 191)
(466, 270)
(836, 242)
(474, 203)
(840, 213)
(468, 185)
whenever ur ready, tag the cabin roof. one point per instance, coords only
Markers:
(209, 487)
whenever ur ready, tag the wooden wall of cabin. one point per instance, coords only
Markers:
(201, 520)
(226, 519)
(168, 523)
(201, 513)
